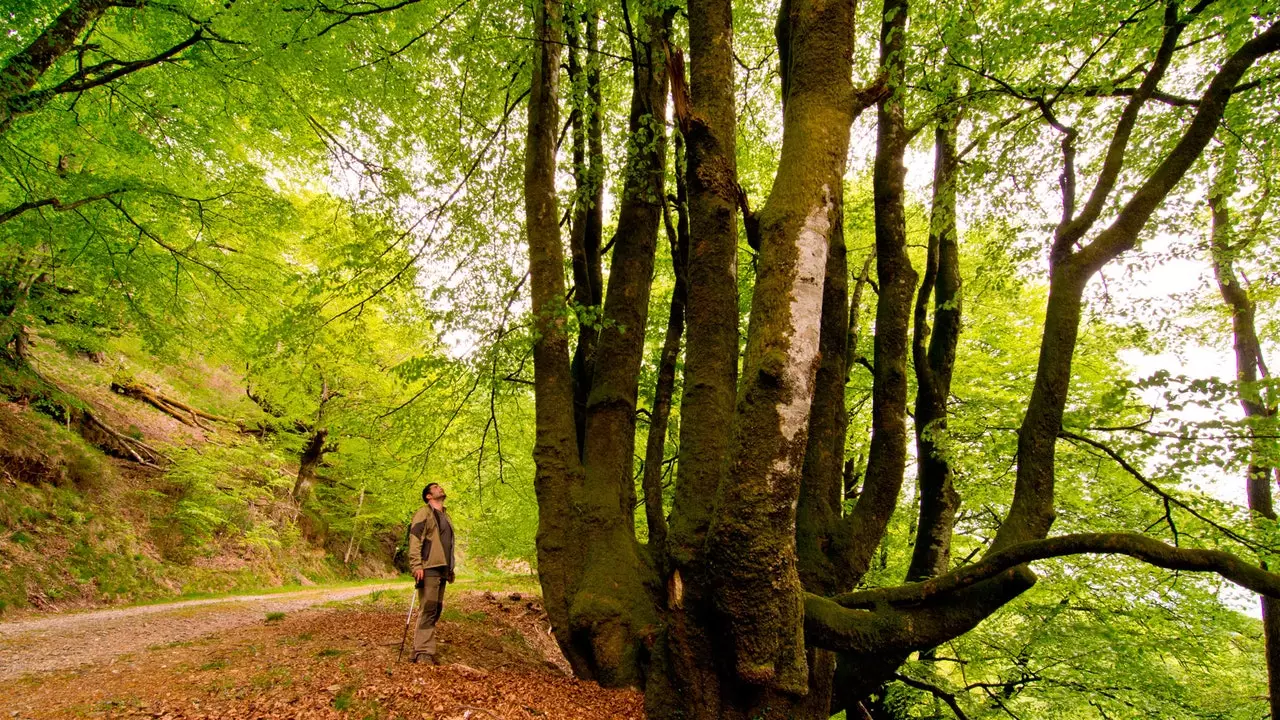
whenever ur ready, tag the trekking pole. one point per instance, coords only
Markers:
(413, 597)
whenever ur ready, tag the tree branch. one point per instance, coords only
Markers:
(946, 697)
(1159, 491)
(55, 204)
(1137, 546)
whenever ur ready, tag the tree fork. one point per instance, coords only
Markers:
(1031, 513)
(611, 613)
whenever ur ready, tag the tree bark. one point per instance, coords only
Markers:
(612, 613)
(587, 223)
(312, 454)
(691, 677)
(711, 354)
(818, 512)
(752, 542)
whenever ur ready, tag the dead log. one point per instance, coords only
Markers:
(176, 409)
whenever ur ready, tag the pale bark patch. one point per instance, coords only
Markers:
(806, 316)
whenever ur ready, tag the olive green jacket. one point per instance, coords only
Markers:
(425, 547)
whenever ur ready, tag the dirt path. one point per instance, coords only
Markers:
(225, 660)
(59, 642)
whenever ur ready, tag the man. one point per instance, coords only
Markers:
(431, 559)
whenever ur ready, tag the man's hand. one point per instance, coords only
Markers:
(449, 578)
(417, 574)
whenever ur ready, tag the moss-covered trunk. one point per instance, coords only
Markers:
(758, 598)
(611, 614)
(686, 683)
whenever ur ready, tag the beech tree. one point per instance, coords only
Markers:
(744, 606)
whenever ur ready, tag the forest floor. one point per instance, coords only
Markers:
(318, 653)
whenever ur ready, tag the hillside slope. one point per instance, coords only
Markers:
(211, 512)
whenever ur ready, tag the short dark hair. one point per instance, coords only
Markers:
(427, 489)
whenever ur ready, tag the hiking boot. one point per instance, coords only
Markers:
(425, 659)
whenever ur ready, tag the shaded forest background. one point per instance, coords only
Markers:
(263, 274)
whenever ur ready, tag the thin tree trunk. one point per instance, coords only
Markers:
(933, 355)
(587, 222)
(855, 313)
(355, 525)
(1249, 366)
(1032, 511)
(886, 463)
(659, 416)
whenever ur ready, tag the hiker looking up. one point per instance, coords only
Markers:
(431, 559)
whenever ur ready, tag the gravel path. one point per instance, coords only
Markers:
(59, 642)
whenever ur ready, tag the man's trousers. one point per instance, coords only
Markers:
(430, 603)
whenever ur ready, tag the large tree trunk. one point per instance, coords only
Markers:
(312, 455)
(690, 677)
(752, 543)
(558, 468)
(1249, 365)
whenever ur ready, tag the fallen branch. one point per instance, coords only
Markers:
(92, 428)
(174, 408)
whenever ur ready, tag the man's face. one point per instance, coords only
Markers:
(437, 493)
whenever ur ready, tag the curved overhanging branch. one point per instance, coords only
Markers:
(1141, 547)
(913, 616)
(885, 633)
